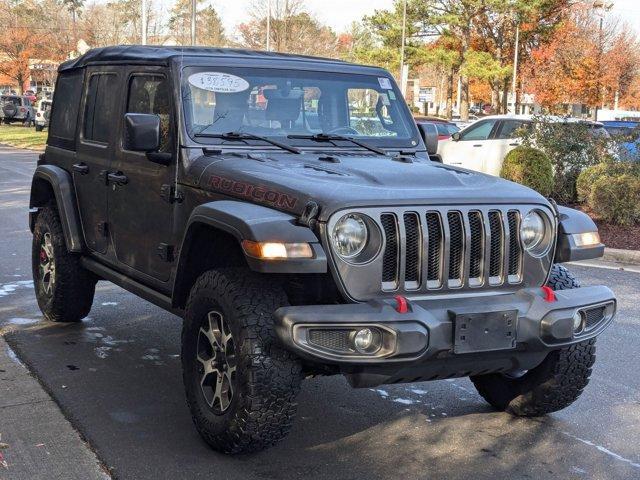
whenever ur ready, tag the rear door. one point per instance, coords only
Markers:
(141, 206)
(95, 150)
(505, 140)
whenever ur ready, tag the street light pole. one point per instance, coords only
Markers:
(193, 22)
(144, 22)
(403, 86)
(268, 25)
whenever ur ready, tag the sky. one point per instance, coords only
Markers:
(339, 14)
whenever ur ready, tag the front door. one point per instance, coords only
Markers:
(471, 150)
(95, 150)
(140, 204)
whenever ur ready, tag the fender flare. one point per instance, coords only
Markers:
(570, 222)
(61, 184)
(246, 221)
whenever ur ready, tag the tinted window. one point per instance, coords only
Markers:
(479, 131)
(100, 107)
(150, 94)
(64, 114)
(511, 128)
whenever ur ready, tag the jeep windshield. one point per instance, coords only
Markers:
(299, 108)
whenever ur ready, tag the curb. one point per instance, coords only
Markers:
(622, 256)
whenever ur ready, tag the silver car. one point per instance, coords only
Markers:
(16, 108)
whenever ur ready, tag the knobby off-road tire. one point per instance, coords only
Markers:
(39, 128)
(554, 384)
(237, 305)
(64, 290)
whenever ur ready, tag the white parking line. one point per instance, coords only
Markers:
(606, 266)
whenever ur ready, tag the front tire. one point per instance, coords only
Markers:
(39, 128)
(554, 384)
(240, 383)
(64, 290)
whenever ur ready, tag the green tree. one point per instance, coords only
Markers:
(209, 28)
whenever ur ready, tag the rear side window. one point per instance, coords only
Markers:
(100, 107)
(64, 113)
(511, 128)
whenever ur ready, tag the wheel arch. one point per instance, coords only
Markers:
(51, 183)
(214, 235)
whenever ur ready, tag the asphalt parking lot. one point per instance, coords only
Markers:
(116, 377)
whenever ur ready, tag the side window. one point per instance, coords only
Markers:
(510, 128)
(64, 113)
(100, 107)
(479, 131)
(150, 94)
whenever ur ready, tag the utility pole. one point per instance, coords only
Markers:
(193, 22)
(602, 7)
(403, 75)
(144, 22)
(515, 70)
(268, 25)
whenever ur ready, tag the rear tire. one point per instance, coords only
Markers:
(554, 384)
(254, 405)
(64, 290)
(39, 128)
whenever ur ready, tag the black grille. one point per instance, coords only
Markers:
(476, 248)
(456, 245)
(414, 240)
(593, 316)
(390, 259)
(496, 248)
(515, 252)
(434, 254)
(337, 340)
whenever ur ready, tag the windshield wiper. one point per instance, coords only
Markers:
(329, 137)
(248, 136)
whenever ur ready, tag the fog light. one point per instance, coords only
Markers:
(578, 322)
(366, 340)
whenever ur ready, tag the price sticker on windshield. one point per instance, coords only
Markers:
(218, 82)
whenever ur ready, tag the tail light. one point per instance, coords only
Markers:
(22, 109)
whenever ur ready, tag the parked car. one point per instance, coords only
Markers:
(483, 145)
(445, 127)
(16, 108)
(43, 113)
(235, 189)
(628, 133)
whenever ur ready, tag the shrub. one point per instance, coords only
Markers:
(616, 198)
(531, 167)
(590, 175)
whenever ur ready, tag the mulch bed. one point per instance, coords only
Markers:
(615, 236)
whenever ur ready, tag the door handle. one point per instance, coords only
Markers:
(514, 144)
(117, 177)
(82, 168)
(478, 145)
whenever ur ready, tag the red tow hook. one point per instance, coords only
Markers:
(402, 305)
(549, 294)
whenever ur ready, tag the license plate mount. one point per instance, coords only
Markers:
(485, 331)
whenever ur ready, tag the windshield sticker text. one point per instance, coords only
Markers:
(218, 82)
(385, 83)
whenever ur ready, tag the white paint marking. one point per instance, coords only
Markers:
(22, 321)
(404, 401)
(14, 358)
(606, 266)
(109, 304)
(102, 352)
(418, 391)
(603, 450)
(9, 288)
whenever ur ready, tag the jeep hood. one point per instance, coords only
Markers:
(344, 180)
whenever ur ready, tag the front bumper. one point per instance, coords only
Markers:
(428, 341)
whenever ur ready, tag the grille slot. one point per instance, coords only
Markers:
(497, 246)
(476, 248)
(434, 249)
(593, 316)
(337, 340)
(456, 246)
(413, 250)
(515, 252)
(391, 253)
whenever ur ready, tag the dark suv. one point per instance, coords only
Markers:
(287, 209)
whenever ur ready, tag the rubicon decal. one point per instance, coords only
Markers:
(256, 192)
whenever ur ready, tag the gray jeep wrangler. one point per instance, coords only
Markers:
(291, 212)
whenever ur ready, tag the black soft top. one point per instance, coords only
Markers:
(159, 55)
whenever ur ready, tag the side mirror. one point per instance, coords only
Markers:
(455, 137)
(141, 132)
(429, 134)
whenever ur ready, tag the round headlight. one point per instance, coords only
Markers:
(532, 230)
(349, 236)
